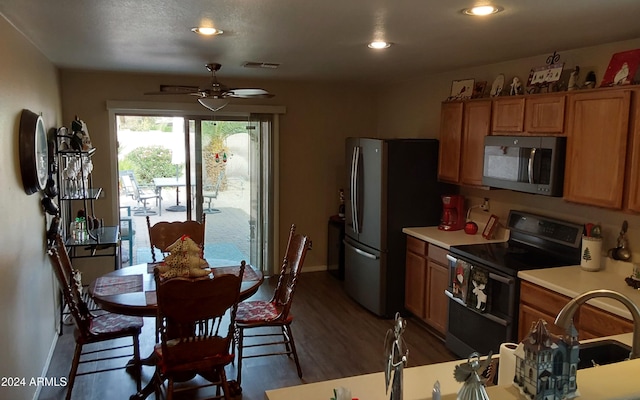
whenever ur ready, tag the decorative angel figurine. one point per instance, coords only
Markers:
(469, 373)
(396, 353)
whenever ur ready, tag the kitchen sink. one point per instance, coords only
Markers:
(602, 352)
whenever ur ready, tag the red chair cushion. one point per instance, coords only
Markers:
(112, 323)
(250, 312)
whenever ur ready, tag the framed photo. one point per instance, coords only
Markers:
(542, 76)
(478, 89)
(461, 89)
(490, 228)
(622, 69)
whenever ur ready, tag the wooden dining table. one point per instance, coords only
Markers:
(132, 291)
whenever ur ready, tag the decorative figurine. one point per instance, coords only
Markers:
(590, 80)
(546, 364)
(469, 373)
(396, 353)
(573, 79)
(516, 86)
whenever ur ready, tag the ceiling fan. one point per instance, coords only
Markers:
(214, 97)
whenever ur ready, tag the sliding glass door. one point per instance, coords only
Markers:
(217, 169)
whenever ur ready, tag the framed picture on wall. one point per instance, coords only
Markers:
(622, 69)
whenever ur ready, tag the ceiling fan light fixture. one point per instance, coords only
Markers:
(213, 103)
(379, 44)
(207, 31)
(479, 11)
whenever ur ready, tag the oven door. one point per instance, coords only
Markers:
(482, 308)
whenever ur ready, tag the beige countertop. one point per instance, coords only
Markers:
(573, 280)
(446, 239)
(605, 382)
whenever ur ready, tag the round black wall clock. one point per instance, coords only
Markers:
(34, 155)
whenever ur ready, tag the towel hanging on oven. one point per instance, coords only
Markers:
(477, 296)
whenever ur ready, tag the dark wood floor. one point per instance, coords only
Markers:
(335, 338)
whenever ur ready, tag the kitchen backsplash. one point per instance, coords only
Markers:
(502, 201)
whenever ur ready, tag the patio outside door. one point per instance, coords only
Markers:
(226, 160)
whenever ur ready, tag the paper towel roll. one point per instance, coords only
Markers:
(507, 364)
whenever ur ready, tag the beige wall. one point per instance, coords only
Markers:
(27, 80)
(413, 108)
(311, 143)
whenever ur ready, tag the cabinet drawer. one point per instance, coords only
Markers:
(417, 246)
(542, 299)
(438, 254)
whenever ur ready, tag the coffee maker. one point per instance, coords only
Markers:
(453, 216)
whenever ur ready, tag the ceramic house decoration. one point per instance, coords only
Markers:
(546, 364)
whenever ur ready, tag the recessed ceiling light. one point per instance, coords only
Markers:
(378, 44)
(207, 31)
(482, 10)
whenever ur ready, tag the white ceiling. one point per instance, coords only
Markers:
(311, 39)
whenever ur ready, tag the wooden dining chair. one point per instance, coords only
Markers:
(196, 323)
(163, 234)
(275, 312)
(93, 328)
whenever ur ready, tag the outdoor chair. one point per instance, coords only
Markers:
(163, 234)
(142, 196)
(275, 312)
(196, 322)
(93, 328)
(127, 229)
(210, 193)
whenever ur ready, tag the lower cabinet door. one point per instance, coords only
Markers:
(438, 304)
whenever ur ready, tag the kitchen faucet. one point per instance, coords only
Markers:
(565, 316)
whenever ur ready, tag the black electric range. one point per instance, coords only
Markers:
(535, 242)
(484, 289)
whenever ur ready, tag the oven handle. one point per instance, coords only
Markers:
(454, 298)
(501, 279)
(452, 258)
(492, 317)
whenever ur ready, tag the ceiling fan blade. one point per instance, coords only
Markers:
(248, 93)
(175, 89)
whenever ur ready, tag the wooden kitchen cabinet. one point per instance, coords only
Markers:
(463, 126)
(596, 147)
(437, 282)
(477, 125)
(427, 277)
(544, 114)
(633, 154)
(537, 302)
(416, 277)
(508, 115)
(451, 115)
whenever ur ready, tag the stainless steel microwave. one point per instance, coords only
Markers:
(531, 164)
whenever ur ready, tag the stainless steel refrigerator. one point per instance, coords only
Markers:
(391, 184)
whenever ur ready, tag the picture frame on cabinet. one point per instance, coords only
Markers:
(478, 89)
(461, 89)
(622, 69)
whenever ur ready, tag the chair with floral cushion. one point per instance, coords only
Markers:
(90, 328)
(275, 312)
(196, 319)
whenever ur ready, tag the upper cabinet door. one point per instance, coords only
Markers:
(633, 152)
(544, 114)
(508, 115)
(477, 122)
(450, 142)
(596, 147)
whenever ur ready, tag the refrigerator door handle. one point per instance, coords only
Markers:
(355, 157)
(361, 252)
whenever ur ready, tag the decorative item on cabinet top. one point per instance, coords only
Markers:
(461, 89)
(545, 76)
(623, 69)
